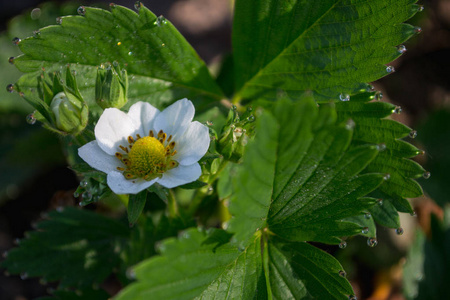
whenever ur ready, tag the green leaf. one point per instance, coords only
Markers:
(371, 127)
(200, 266)
(385, 214)
(71, 241)
(161, 65)
(329, 47)
(300, 176)
(136, 204)
(197, 266)
(301, 271)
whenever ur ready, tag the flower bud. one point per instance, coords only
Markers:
(70, 115)
(59, 105)
(111, 87)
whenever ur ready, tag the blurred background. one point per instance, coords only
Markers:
(34, 177)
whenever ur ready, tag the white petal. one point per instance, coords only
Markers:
(175, 119)
(120, 185)
(113, 129)
(143, 114)
(180, 175)
(97, 158)
(193, 144)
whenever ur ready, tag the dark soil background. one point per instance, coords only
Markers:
(420, 85)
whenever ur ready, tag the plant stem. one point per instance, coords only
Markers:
(172, 205)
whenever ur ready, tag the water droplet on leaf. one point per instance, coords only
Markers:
(352, 297)
(31, 119)
(380, 201)
(378, 96)
(84, 183)
(417, 29)
(16, 41)
(381, 147)
(372, 242)
(137, 5)
(413, 134)
(399, 231)
(344, 97)
(10, 88)
(387, 176)
(397, 110)
(420, 8)
(342, 273)
(36, 33)
(160, 21)
(59, 20)
(390, 69)
(426, 175)
(367, 215)
(251, 118)
(11, 60)
(81, 10)
(343, 244)
(365, 230)
(401, 49)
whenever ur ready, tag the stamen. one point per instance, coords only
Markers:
(151, 134)
(160, 133)
(129, 176)
(124, 148)
(120, 169)
(164, 136)
(170, 137)
(119, 155)
(138, 136)
(174, 152)
(161, 141)
(130, 140)
(173, 164)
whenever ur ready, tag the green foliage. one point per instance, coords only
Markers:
(162, 65)
(332, 48)
(311, 173)
(70, 242)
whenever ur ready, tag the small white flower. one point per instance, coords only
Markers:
(144, 146)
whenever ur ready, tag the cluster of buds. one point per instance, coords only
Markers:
(60, 106)
(235, 134)
(111, 86)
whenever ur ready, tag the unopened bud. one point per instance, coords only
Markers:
(111, 87)
(70, 113)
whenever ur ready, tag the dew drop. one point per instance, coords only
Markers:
(397, 110)
(251, 118)
(249, 109)
(344, 97)
(367, 215)
(342, 273)
(401, 49)
(59, 20)
(380, 201)
(390, 69)
(343, 244)
(11, 60)
(16, 41)
(10, 88)
(84, 183)
(36, 33)
(76, 194)
(233, 107)
(426, 175)
(365, 230)
(381, 147)
(35, 13)
(112, 5)
(31, 119)
(81, 10)
(23, 276)
(130, 53)
(378, 96)
(137, 5)
(160, 21)
(413, 214)
(421, 152)
(413, 134)
(352, 297)
(399, 231)
(370, 88)
(387, 176)
(372, 242)
(417, 29)
(420, 8)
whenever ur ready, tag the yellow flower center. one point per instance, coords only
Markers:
(148, 157)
